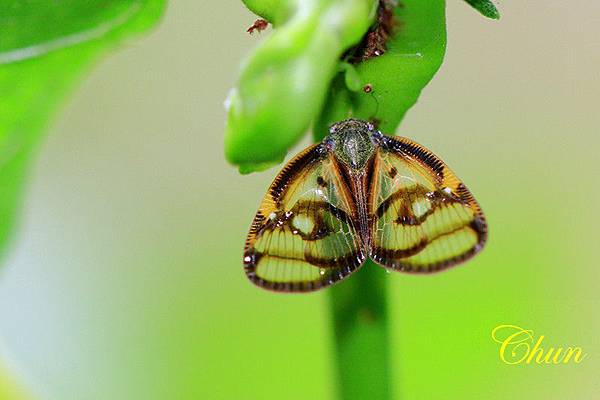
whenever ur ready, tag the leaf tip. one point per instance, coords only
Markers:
(485, 8)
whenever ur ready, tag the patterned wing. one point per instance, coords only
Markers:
(305, 233)
(424, 219)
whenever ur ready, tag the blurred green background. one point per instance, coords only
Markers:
(124, 278)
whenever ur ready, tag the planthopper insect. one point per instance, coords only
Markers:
(360, 194)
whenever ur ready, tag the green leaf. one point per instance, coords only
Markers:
(46, 46)
(290, 80)
(414, 53)
(284, 82)
(485, 7)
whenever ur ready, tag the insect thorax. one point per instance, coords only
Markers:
(350, 141)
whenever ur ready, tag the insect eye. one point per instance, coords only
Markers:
(376, 137)
(329, 143)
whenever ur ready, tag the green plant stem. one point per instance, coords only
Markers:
(266, 116)
(361, 333)
(358, 308)
(359, 305)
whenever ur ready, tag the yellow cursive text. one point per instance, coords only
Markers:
(519, 346)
